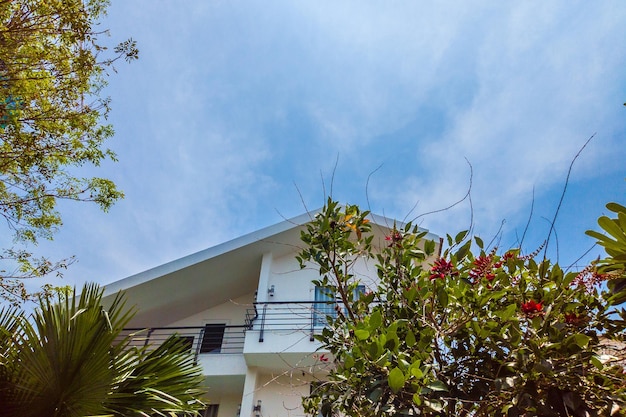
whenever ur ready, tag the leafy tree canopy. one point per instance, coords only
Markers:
(52, 71)
(472, 331)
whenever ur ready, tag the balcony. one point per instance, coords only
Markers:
(208, 339)
(297, 318)
(225, 351)
(281, 334)
(285, 317)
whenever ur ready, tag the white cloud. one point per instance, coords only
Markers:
(229, 105)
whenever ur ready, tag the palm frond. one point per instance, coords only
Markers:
(70, 360)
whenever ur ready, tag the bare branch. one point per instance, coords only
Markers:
(558, 208)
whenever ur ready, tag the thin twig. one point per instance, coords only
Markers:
(530, 216)
(498, 233)
(332, 178)
(580, 257)
(466, 196)
(558, 208)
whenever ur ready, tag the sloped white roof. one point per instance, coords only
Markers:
(210, 277)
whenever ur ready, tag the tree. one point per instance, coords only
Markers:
(70, 360)
(473, 332)
(52, 72)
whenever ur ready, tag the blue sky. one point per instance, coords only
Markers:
(237, 112)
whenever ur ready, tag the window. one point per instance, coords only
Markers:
(211, 410)
(326, 302)
(212, 338)
(358, 291)
(324, 306)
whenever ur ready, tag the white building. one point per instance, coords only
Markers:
(249, 313)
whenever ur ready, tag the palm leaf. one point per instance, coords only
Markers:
(69, 360)
(164, 378)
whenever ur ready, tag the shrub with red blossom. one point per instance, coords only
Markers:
(467, 332)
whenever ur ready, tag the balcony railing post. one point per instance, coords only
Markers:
(313, 306)
(199, 346)
(263, 323)
(150, 330)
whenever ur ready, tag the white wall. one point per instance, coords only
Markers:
(294, 284)
(281, 394)
(232, 312)
(228, 404)
(287, 327)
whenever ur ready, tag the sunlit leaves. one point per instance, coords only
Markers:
(52, 71)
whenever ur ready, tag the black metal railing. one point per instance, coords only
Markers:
(286, 317)
(282, 317)
(208, 339)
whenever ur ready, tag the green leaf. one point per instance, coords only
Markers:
(376, 320)
(616, 208)
(417, 372)
(396, 379)
(442, 297)
(507, 313)
(374, 349)
(361, 334)
(437, 386)
(460, 236)
(410, 338)
(464, 250)
(612, 228)
(434, 405)
(429, 247)
(348, 362)
(597, 235)
(581, 340)
(597, 362)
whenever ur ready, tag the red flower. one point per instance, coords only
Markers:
(531, 307)
(589, 278)
(573, 318)
(482, 268)
(507, 256)
(441, 268)
(395, 238)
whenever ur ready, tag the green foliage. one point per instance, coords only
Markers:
(69, 359)
(474, 333)
(614, 242)
(52, 72)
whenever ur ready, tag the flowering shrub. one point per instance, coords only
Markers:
(466, 333)
(531, 307)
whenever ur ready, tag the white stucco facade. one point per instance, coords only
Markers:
(246, 308)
